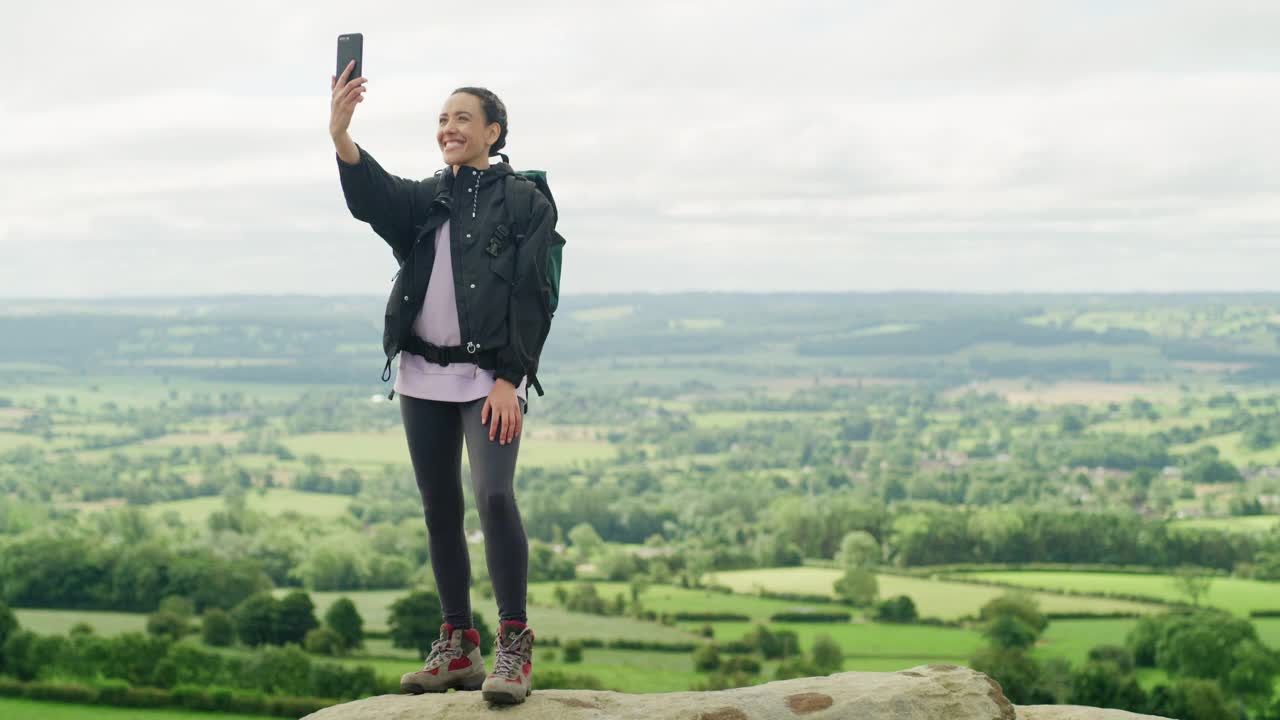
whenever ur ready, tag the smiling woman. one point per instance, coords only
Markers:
(459, 316)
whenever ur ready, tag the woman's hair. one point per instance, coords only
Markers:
(494, 111)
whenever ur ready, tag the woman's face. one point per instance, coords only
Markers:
(463, 137)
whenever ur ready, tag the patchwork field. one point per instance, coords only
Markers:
(1234, 594)
(275, 501)
(356, 448)
(17, 709)
(933, 598)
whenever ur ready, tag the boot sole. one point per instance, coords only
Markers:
(505, 698)
(461, 686)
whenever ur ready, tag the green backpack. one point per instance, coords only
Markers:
(519, 188)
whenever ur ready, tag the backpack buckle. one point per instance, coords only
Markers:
(497, 241)
(471, 348)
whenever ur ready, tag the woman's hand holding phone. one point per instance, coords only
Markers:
(346, 94)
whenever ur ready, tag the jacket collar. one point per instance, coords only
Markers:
(469, 177)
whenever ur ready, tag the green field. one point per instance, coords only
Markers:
(1242, 524)
(670, 599)
(58, 622)
(915, 643)
(276, 501)
(18, 709)
(1230, 449)
(623, 670)
(1234, 594)
(933, 598)
(373, 606)
(729, 419)
(373, 448)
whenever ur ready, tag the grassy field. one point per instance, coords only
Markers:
(914, 643)
(196, 511)
(1029, 392)
(58, 622)
(1230, 449)
(623, 670)
(373, 606)
(370, 448)
(667, 598)
(933, 598)
(729, 419)
(1242, 524)
(18, 709)
(142, 391)
(1233, 594)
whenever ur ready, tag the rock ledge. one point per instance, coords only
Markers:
(924, 692)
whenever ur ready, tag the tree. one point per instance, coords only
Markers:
(573, 651)
(1010, 632)
(8, 622)
(1019, 604)
(1019, 675)
(858, 587)
(796, 667)
(343, 619)
(826, 655)
(897, 609)
(1192, 583)
(1105, 685)
(1190, 699)
(1117, 654)
(324, 641)
(1142, 639)
(168, 624)
(415, 621)
(706, 657)
(295, 618)
(858, 549)
(585, 540)
(255, 619)
(773, 644)
(217, 628)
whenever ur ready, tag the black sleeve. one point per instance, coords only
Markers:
(529, 312)
(383, 200)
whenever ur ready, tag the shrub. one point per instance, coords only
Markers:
(324, 641)
(572, 651)
(706, 658)
(167, 624)
(217, 628)
(897, 609)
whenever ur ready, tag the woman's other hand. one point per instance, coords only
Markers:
(346, 93)
(502, 405)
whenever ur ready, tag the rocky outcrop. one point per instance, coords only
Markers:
(925, 692)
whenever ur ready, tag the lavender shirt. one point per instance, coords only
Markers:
(437, 323)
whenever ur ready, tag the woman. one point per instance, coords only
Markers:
(453, 287)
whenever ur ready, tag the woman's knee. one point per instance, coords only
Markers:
(496, 503)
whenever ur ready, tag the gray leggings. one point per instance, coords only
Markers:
(435, 429)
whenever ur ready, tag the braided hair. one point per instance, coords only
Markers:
(494, 111)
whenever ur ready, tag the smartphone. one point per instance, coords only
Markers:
(351, 47)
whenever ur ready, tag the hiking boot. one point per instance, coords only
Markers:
(454, 662)
(510, 681)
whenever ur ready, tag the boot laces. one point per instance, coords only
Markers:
(440, 651)
(511, 657)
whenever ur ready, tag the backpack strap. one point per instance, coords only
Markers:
(519, 209)
(519, 201)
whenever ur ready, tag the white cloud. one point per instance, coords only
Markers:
(710, 145)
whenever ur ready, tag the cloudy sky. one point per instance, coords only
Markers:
(153, 148)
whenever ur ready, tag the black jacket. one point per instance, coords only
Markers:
(406, 214)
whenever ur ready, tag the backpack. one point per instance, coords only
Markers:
(519, 202)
